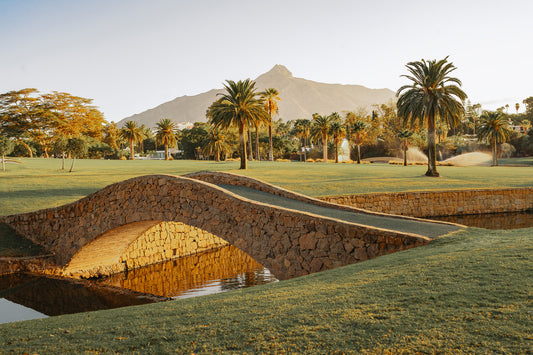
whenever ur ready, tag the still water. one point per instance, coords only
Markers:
(25, 296)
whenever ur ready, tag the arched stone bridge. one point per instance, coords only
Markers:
(288, 233)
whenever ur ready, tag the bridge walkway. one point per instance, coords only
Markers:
(407, 225)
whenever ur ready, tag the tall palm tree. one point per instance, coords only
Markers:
(133, 134)
(320, 129)
(517, 106)
(216, 143)
(271, 98)
(338, 132)
(494, 129)
(357, 130)
(166, 134)
(240, 107)
(433, 94)
(404, 136)
(302, 129)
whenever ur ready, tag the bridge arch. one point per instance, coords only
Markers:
(288, 242)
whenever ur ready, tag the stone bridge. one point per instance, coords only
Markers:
(158, 217)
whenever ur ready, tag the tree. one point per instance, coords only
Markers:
(76, 147)
(216, 144)
(271, 98)
(357, 130)
(302, 130)
(338, 132)
(320, 129)
(404, 136)
(133, 134)
(517, 107)
(433, 94)
(494, 130)
(239, 107)
(60, 147)
(6, 147)
(166, 134)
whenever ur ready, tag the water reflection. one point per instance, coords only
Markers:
(53, 297)
(513, 220)
(218, 270)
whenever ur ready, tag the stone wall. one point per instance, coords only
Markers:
(168, 240)
(289, 243)
(441, 203)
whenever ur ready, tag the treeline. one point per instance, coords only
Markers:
(60, 124)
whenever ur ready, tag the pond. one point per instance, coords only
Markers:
(24, 296)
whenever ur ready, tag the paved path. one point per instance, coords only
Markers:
(428, 229)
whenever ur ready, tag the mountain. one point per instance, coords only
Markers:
(300, 98)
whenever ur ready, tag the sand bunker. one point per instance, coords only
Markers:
(470, 159)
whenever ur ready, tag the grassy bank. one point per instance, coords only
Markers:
(40, 183)
(464, 293)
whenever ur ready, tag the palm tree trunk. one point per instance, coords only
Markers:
(257, 156)
(72, 166)
(432, 148)
(358, 153)
(494, 154)
(217, 154)
(270, 148)
(305, 152)
(250, 150)
(404, 156)
(325, 147)
(63, 160)
(132, 152)
(336, 152)
(242, 147)
(166, 151)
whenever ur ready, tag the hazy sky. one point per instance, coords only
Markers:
(132, 55)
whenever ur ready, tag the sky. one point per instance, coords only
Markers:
(132, 55)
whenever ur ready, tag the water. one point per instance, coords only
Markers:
(25, 296)
(510, 220)
(414, 155)
(470, 159)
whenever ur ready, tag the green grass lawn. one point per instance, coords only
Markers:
(470, 292)
(40, 183)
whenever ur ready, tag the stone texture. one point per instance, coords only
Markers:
(271, 235)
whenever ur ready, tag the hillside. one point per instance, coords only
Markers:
(300, 99)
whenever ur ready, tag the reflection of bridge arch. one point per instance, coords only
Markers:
(288, 242)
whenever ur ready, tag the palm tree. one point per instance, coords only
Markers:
(240, 107)
(494, 129)
(271, 98)
(517, 106)
(433, 94)
(133, 134)
(404, 136)
(302, 129)
(320, 129)
(338, 132)
(357, 130)
(166, 134)
(216, 144)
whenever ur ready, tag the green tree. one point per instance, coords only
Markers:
(271, 98)
(6, 147)
(76, 147)
(494, 130)
(216, 144)
(338, 132)
(357, 132)
(433, 94)
(60, 147)
(404, 136)
(166, 134)
(133, 134)
(302, 130)
(239, 107)
(320, 129)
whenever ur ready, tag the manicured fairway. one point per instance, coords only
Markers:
(40, 183)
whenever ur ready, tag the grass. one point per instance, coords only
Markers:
(40, 183)
(469, 292)
(464, 293)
